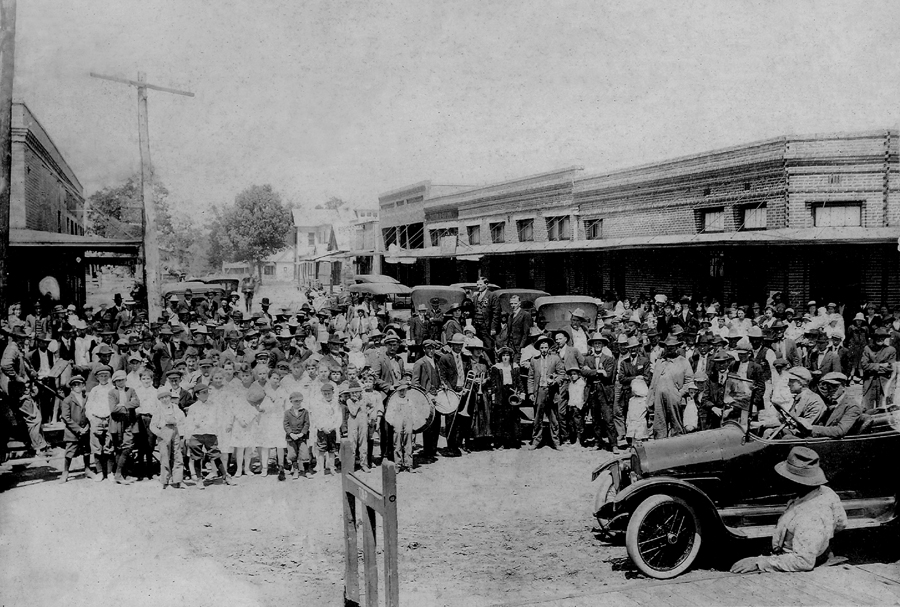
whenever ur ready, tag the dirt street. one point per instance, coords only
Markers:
(486, 528)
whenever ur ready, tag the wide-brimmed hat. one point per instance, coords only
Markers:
(598, 337)
(457, 339)
(632, 342)
(543, 339)
(802, 466)
(671, 340)
(743, 345)
(882, 332)
(722, 356)
(860, 316)
(562, 332)
(578, 313)
(474, 342)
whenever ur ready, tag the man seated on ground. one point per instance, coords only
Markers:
(843, 410)
(804, 531)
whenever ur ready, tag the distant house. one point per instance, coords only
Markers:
(326, 240)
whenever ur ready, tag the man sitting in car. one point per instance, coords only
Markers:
(807, 404)
(843, 410)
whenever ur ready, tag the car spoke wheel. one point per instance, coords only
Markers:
(663, 536)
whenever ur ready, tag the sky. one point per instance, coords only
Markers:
(352, 99)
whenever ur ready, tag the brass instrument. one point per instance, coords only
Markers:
(468, 388)
(515, 400)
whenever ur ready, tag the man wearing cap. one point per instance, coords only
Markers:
(805, 530)
(123, 424)
(545, 373)
(672, 379)
(427, 377)
(435, 319)
(97, 410)
(599, 371)
(807, 404)
(842, 413)
(877, 365)
(486, 317)
(77, 429)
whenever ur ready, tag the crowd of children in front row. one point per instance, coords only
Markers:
(295, 411)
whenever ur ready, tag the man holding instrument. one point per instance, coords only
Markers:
(427, 377)
(452, 368)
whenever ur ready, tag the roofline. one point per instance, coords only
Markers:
(412, 186)
(71, 171)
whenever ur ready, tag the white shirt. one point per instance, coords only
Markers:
(98, 401)
(579, 340)
(44, 369)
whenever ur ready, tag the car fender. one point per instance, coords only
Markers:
(631, 496)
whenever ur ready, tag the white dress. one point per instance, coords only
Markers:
(271, 422)
(246, 418)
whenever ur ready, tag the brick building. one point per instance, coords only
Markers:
(812, 217)
(47, 221)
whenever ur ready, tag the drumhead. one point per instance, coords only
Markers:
(446, 401)
(420, 410)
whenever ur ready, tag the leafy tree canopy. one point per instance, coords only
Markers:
(256, 226)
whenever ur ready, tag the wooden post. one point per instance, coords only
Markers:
(151, 242)
(389, 520)
(7, 72)
(384, 503)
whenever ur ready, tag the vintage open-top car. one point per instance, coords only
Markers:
(669, 496)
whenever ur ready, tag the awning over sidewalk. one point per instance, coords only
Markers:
(788, 236)
(36, 238)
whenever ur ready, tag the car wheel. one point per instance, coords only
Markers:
(663, 536)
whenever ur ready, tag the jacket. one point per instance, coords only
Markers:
(73, 416)
(382, 371)
(601, 386)
(487, 312)
(426, 374)
(418, 330)
(446, 365)
(555, 369)
(519, 329)
(296, 423)
(840, 419)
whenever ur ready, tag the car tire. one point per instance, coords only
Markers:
(663, 536)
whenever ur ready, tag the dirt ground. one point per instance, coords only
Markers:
(482, 529)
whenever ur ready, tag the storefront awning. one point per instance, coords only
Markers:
(36, 238)
(787, 236)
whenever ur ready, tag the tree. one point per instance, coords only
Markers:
(116, 212)
(256, 226)
(332, 204)
(216, 253)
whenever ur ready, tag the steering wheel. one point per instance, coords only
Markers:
(790, 420)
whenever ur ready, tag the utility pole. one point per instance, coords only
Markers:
(7, 72)
(151, 241)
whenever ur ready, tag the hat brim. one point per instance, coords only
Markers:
(818, 478)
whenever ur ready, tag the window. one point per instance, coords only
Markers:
(436, 235)
(593, 229)
(474, 234)
(714, 221)
(498, 232)
(837, 215)
(755, 218)
(559, 228)
(311, 239)
(269, 270)
(525, 228)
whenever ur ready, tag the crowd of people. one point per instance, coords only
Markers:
(208, 387)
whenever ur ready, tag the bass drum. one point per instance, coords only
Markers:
(446, 402)
(420, 409)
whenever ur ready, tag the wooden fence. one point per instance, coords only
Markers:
(382, 502)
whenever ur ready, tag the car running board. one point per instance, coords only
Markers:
(760, 522)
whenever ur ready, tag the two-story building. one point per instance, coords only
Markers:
(332, 242)
(48, 244)
(810, 216)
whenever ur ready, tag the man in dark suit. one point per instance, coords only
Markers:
(486, 317)
(843, 410)
(822, 360)
(418, 332)
(387, 369)
(520, 323)
(783, 347)
(452, 369)
(165, 353)
(632, 364)
(427, 377)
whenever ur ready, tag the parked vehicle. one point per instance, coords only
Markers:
(669, 497)
(230, 283)
(524, 295)
(374, 278)
(555, 311)
(199, 290)
(422, 294)
(470, 286)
